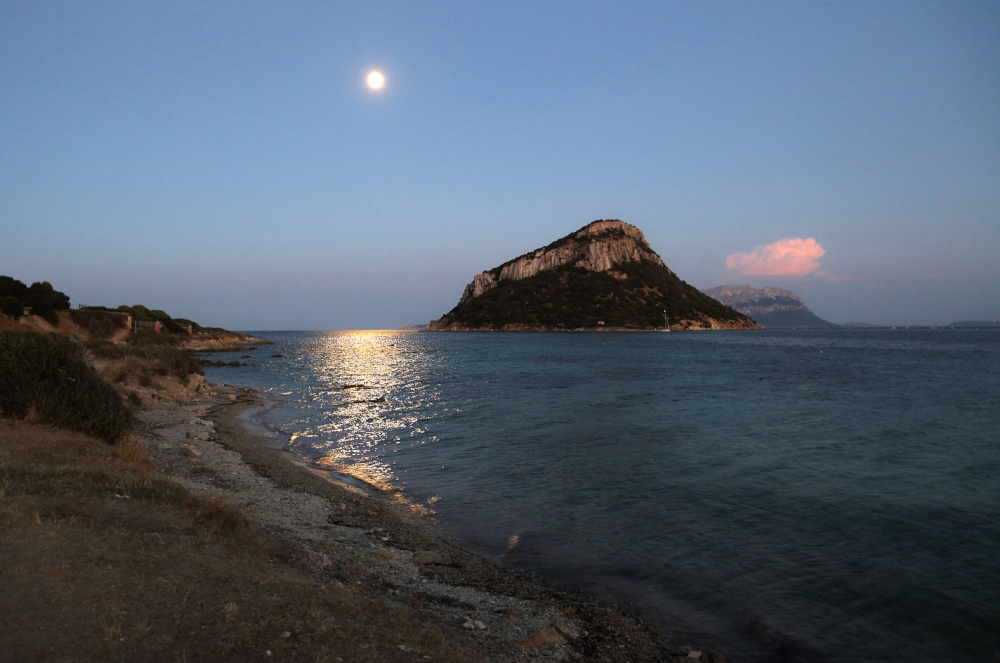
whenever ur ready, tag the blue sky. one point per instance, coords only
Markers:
(225, 161)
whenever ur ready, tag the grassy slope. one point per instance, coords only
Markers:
(572, 298)
(158, 574)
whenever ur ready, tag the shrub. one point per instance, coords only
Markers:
(11, 306)
(48, 315)
(147, 337)
(98, 323)
(46, 375)
(149, 355)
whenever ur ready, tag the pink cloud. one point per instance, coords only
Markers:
(786, 257)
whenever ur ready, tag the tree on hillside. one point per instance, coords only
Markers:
(44, 300)
(11, 306)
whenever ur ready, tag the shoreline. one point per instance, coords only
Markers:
(533, 328)
(343, 536)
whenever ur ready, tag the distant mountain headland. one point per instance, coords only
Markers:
(977, 324)
(769, 307)
(603, 276)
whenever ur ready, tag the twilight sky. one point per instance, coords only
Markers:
(225, 161)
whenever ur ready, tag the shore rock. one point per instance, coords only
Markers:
(191, 452)
(567, 629)
(544, 637)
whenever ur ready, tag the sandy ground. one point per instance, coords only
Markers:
(343, 536)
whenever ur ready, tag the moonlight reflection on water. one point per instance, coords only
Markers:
(365, 389)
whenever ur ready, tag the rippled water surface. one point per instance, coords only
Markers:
(805, 496)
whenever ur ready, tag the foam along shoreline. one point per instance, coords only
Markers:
(278, 441)
(345, 536)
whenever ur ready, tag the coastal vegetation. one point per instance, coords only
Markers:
(148, 355)
(142, 357)
(101, 321)
(46, 377)
(40, 297)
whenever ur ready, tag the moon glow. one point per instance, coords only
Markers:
(375, 80)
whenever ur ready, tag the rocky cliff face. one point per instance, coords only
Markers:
(769, 306)
(597, 247)
(602, 276)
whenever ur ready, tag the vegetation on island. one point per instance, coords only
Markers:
(569, 297)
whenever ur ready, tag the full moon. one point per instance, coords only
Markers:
(376, 80)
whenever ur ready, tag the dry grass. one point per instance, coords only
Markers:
(8, 323)
(44, 446)
(106, 560)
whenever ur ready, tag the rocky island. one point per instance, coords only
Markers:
(769, 306)
(603, 276)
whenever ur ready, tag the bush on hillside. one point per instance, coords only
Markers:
(145, 338)
(46, 375)
(158, 358)
(48, 316)
(99, 323)
(184, 323)
(11, 306)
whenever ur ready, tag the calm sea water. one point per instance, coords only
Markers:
(800, 496)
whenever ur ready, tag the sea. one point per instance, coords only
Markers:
(799, 495)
